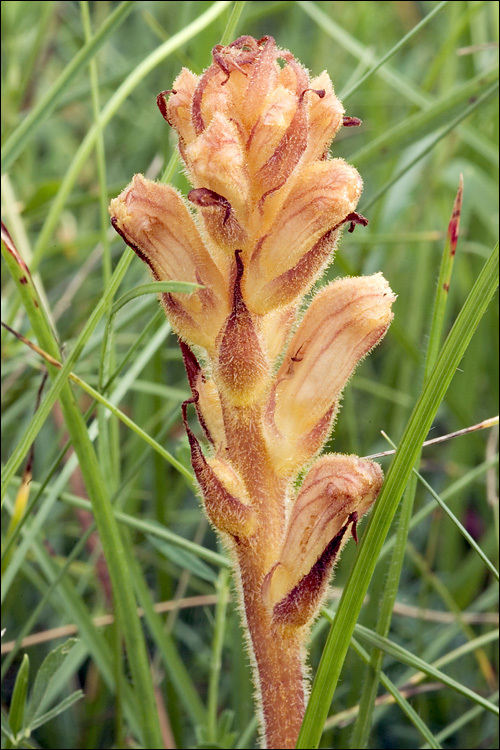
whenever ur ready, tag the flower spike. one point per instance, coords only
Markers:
(259, 227)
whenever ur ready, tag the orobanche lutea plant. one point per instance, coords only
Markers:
(266, 378)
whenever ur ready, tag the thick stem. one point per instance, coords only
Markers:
(278, 661)
(277, 650)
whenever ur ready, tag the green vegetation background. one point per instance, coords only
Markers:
(430, 114)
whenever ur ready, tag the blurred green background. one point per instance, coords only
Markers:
(430, 114)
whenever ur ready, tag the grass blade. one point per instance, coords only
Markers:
(380, 521)
(46, 105)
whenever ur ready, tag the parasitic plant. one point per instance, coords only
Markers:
(266, 378)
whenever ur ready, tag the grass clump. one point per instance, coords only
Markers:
(90, 73)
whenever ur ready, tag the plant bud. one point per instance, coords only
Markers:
(154, 220)
(216, 161)
(336, 492)
(230, 513)
(343, 323)
(242, 367)
(320, 198)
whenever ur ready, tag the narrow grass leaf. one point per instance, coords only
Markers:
(177, 672)
(463, 531)
(417, 127)
(462, 720)
(223, 591)
(45, 676)
(60, 380)
(154, 287)
(96, 488)
(400, 44)
(38, 721)
(405, 706)
(18, 701)
(47, 103)
(385, 508)
(232, 24)
(185, 560)
(406, 657)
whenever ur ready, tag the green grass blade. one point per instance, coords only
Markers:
(400, 700)
(18, 703)
(454, 123)
(154, 287)
(370, 684)
(463, 531)
(401, 84)
(146, 527)
(462, 720)
(46, 105)
(38, 721)
(45, 677)
(96, 488)
(30, 622)
(110, 110)
(108, 429)
(232, 24)
(450, 491)
(155, 529)
(381, 518)
(60, 380)
(76, 610)
(177, 672)
(374, 673)
(406, 657)
(420, 125)
(218, 642)
(133, 426)
(401, 43)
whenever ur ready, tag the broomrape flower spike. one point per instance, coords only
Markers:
(257, 230)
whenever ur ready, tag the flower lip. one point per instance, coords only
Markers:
(343, 323)
(162, 103)
(128, 241)
(205, 197)
(242, 51)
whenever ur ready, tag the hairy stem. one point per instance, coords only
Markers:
(276, 650)
(277, 662)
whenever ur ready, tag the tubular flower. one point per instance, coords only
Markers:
(256, 232)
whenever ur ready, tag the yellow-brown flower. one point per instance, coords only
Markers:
(260, 226)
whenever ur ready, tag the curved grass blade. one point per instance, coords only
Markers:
(405, 706)
(406, 657)
(418, 426)
(50, 98)
(109, 111)
(114, 551)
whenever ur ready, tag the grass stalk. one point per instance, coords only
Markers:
(94, 481)
(418, 426)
